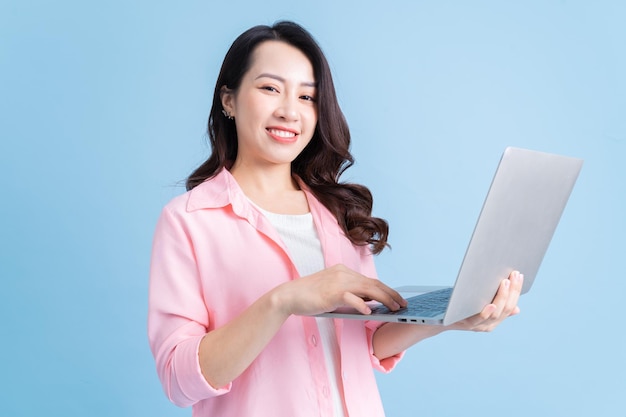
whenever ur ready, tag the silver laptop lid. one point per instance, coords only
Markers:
(519, 216)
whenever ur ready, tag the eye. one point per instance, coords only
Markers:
(308, 98)
(269, 88)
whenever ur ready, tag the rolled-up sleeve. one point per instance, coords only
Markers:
(178, 318)
(385, 365)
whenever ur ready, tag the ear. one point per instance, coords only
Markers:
(227, 96)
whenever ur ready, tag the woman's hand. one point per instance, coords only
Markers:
(392, 338)
(331, 288)
(503, 305)
(227, 351)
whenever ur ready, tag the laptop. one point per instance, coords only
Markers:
(522, 209)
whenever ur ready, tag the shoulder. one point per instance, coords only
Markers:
(178, 203)
(215, 192)
(203, 210)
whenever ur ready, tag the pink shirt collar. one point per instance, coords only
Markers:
(224, 190)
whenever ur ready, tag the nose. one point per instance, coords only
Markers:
(288, 108)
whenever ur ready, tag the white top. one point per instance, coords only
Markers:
(299, 235)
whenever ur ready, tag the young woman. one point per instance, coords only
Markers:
(265, 238)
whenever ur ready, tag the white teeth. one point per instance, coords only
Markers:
(282, 133)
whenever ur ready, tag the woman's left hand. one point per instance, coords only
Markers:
(503, 305)
(392, 338)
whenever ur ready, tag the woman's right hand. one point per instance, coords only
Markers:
(227, 351)
(332, 288)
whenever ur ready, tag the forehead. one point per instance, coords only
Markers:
(281, 59)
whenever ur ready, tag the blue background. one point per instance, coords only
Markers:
(103, 109)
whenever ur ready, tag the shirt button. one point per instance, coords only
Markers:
(344, 376)
(314, 340)
(326, 391)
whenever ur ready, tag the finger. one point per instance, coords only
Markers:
(395, 295)
(517, 281)
(501, 298)
(357, 303)
(370, 289)
(376, 290)
(486, 313)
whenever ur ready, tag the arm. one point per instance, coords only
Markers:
(197, 360)
(226, 352)
(392, 338)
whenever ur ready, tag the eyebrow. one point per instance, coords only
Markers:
(282, 80)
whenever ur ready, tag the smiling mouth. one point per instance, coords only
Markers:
(285, 134)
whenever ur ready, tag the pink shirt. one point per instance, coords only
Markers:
(214, 254)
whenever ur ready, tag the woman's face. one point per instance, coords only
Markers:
(274, 107)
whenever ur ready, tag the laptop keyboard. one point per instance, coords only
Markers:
(429, 304)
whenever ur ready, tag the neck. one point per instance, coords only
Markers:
(271, 188)
(266, 180)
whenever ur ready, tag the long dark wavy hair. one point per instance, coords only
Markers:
(327, 155)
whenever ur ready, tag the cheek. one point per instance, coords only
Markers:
(250, 107)
(312, 118)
